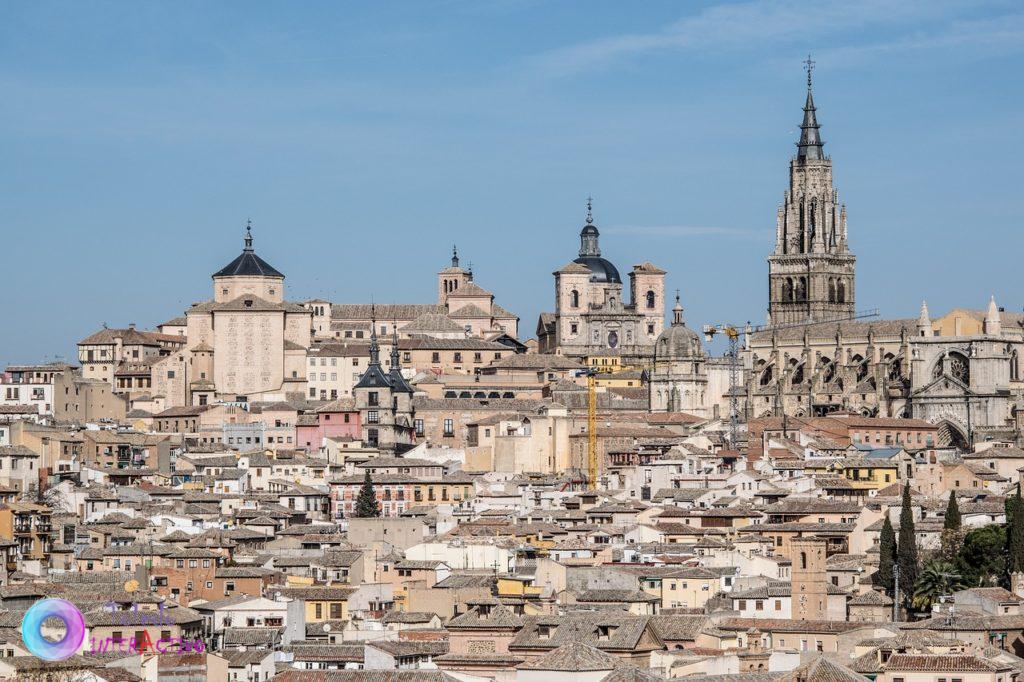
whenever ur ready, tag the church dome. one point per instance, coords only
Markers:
(678, 342)
(248, 264)
(601, 269)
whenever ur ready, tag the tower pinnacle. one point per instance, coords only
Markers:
(455, 256)
(374, 348)
(248, 235)
(810, 144)
(677, 311)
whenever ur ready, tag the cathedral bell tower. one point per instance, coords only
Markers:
(811, 272)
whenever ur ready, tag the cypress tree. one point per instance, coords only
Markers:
(366, 502)
(906, 552)
(887, 556)
(952, 521)
(1015, 533)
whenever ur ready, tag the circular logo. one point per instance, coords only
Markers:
(32, 629)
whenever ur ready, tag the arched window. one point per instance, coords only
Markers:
(787, 290)
(841, 292)
(650, 299)
(831, 290)
(574, 298)
(1014, 366)
(801, 289)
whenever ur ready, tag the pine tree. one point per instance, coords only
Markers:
(952, 521)
(366, 502)
(906, 552)
(887, 556)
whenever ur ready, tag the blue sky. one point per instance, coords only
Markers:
(363, 139)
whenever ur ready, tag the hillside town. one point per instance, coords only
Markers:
(271, 487)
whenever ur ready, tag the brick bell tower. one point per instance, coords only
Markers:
(809, 579)
(811, 271)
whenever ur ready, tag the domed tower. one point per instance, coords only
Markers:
(248, 274)
(679, 380)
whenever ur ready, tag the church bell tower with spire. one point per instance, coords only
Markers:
(811, 272)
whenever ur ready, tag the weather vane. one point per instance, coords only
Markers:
(809, 67)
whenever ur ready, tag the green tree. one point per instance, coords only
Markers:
(886, 556)
(906, 549)
(366, 502)
(952, 520)
(952, 530)
(937, 578)
(982, 559)
(1014, 533)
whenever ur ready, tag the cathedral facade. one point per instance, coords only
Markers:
(961, 371)
(592, 315)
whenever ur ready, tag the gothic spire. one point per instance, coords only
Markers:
(395, 367)
(810, 144)
(374, 348)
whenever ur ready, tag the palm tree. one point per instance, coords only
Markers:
(937, 578)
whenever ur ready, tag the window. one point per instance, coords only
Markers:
(170, 374)
(457, 357)
(650, 329)
(574, 299)
(372, 417)
(449, 428)
(650, 299)
(574, 328)
(435, 357)
(418, 425)
(373, 399)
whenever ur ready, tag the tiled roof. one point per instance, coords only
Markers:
(573, 657)
(953, 663)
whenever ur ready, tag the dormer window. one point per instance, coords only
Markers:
(544, 631)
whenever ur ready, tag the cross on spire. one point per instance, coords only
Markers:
(809, 67)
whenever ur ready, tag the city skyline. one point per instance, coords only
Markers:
(690, 182)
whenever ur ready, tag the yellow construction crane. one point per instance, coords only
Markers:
(591, 374)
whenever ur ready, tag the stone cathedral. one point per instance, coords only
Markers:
(811, 272)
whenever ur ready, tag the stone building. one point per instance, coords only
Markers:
(463, 309)
(591, 313)
(961, 372)
(811, 272)
(247, 341)
(678, 379)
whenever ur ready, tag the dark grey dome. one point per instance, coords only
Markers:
(248, 264)
(678, 342)
(601, 269)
